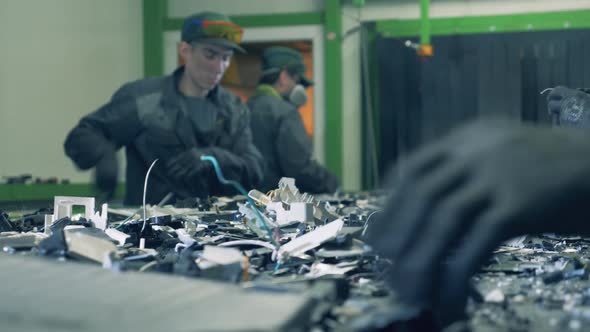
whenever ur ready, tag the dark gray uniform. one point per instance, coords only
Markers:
(153, 120)
(279, 134)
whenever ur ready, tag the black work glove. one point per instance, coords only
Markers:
(106, 174)
(571, 107)
(461, 197)
(187, 166)
(331, 183)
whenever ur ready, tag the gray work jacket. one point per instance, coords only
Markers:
(279, 134)
(151, 119)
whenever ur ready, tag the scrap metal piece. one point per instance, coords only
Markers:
(32, 221)
(5, 223)
(90, 243)
(185, 237)
(495, 296)
(48, 222)
(118, 236)
(356, 248)
(191, 228)
(252, 221)
(20, 240)
(221, 263)
(259, 197)
(296, 212)
(55, 243)
(310, 240)
(517, 242)
(289, 194)
(321, 269)
(221, 255)
(100, 219)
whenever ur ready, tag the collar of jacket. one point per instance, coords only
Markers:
(174, 102)
(173, 96)
(267, 90)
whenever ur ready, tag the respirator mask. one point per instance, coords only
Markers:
(298, 95)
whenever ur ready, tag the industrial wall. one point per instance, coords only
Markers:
(59, 60)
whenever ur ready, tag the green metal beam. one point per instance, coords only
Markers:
(488, 24)
(254, 21)
(46, 192)
(374, 78)
(424, 22)
(154, 12)
(333, 90)
(358, 3)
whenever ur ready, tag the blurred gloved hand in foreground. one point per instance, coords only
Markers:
(459, 198)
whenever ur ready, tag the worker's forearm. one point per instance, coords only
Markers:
(86, 147)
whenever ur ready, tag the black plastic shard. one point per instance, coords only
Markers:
(55, 244)
(5, 223)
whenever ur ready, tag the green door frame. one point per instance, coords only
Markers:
(154, 12)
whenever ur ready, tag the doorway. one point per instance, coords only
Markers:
(244, 73)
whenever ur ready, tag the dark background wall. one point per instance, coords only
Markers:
(469, 76)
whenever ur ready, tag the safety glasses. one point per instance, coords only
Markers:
(220, 29)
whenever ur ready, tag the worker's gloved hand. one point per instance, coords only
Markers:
(106, 174)
(187, 166)
(457, 199)
(570, 106)
(331, 183)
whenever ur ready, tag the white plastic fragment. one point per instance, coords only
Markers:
(297, 212)
(222, 256)
(62, 207)
(248, 211)
(100, 219)
(259, 197)
(49, 219)
(517, 242)
(20, 240)
(191, 229)
(83, 242)
(267, 245)
(184, 236)
(310, 240)
(163, 228)
(116, 235)
(70, 227)
(495, 296)
(321, 269)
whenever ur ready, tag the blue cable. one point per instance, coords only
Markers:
(243, 191)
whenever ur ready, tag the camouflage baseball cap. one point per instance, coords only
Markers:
(212, 28)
